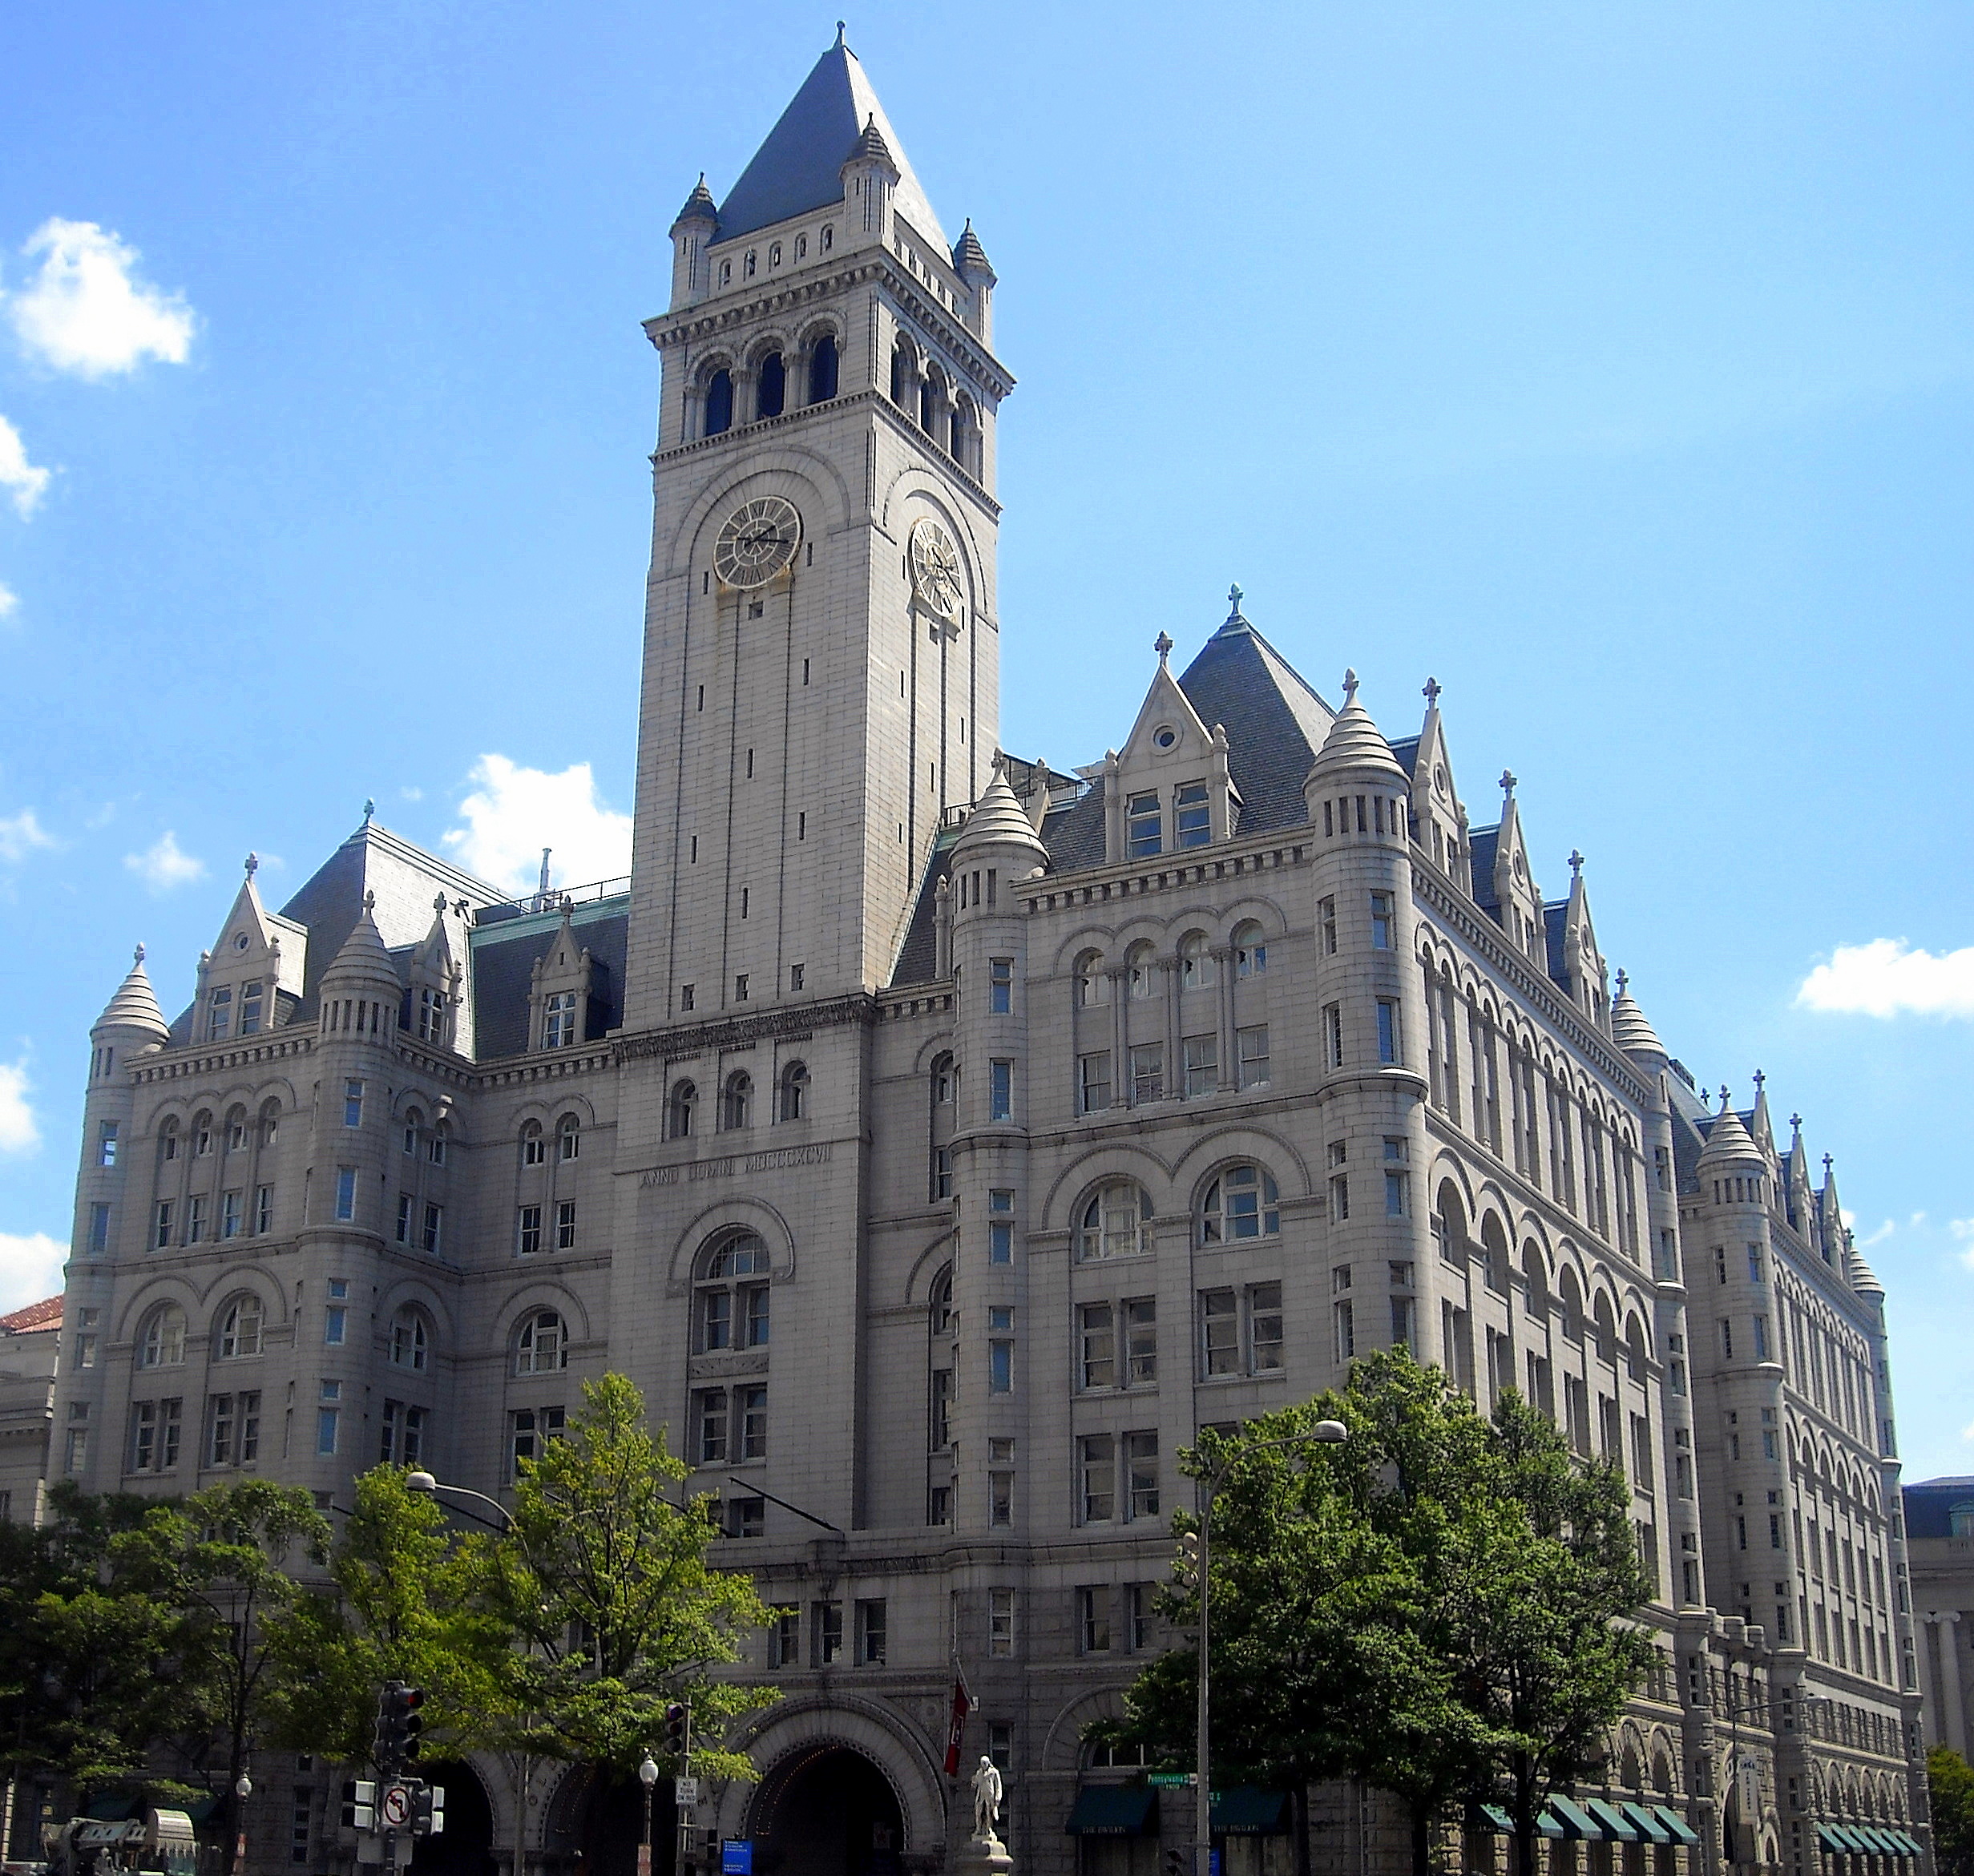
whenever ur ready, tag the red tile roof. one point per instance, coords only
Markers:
(42, 1315)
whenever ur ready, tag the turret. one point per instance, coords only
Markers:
(970, 263)
(1371, 1035)
(870, 179)
(361, 992)
(692, 232)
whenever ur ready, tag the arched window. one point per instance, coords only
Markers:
(168, 1140)
(414, 1125)
(678, 1111)
(1573, 1297)
(1607, 1331)
(1250, 950)
(928, 404)
(1196, 962)
(568, 1137)
(794, 1091)
(752, 262)
(1242, 1202)
(201, 1136)
(901, 374)
(270, 1123)
(730, 1304)
(163, 1343)
(1116, 1223)
(829, 237)
(735, 1100)
(236, 1129)
(1638, 1355)
(941, 1364)
(240, 1329)
(944, 1081)
(1536, 1283)
(435, 1148)
(822, 363)
(940, 1317)
(1139, 963)
(770, 385)
(410, 1339)
(1494, 1251)
(726, 273)
(1092, 981)
(541, 1345)
(720, 402)
(534, 1144)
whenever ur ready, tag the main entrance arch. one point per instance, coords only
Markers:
(595, 1821)
(826, 1810)
(466, 1847)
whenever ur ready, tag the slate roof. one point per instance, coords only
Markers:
(800, 166)
(1074, 835)
(1483, 844)
(1929, 1505)
(1275, 722)
(1555, 922)
(918, 957)
(504, 954)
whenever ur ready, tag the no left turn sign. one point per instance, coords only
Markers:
(396, 1805)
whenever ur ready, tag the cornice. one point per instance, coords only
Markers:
(678, 1040)
(1483, 935)
(173, 1065)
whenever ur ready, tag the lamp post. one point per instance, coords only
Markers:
(646, 1777)
(1323, 1432)
(243, 1789)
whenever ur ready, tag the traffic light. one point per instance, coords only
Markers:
(359, 1805)
(678, 1729)
(428, 1811)
(395, 1744)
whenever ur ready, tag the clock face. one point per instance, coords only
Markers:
(935, 574)
(758, 541)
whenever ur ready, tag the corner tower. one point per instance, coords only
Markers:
(821, 659)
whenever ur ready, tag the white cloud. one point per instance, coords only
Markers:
(1963, 1229)
(18, 1132)
(1886, 977)
(165, 865)
(1878, 1237)
(9, 599)
(19, 477)
(514, 812)
(21, 834)
(30, 1269)
(86, 311)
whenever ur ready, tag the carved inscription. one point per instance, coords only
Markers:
(735, 1165)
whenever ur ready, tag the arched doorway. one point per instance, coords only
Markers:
(596, 1820)
(465, 1847)
(826, 1810)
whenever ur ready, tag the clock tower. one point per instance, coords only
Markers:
(821, 640)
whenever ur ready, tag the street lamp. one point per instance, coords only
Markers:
(243, 1789)
(427, 1486)
(1323, 1432)
(646, 1777)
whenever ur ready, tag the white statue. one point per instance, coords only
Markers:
(986, 1796)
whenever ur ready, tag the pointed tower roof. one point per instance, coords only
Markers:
(1759, 1124)
(1629, 1029)
(800, 165)
(1863, 1278)
(699, 205)
(135, 1005)
(997, 819)
(1727, 1139)
(1353, 740)
(970, 260)
(364, 953)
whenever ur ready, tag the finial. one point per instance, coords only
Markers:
(1576, 864)
(1349, 689)
(1795, 1124)
(1431, 693)
(1623, 978)
(1162, 645)
(1826, 1166)
(1234, 596)
(253, 865)
(439, 905)
(1508, 779)
(1723, 1097)
(369, 808)
(137, 957)
(1759, 1078)
(839, 34)
(370, 901)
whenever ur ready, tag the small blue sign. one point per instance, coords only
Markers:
(1213, 1862)
(736, 1856)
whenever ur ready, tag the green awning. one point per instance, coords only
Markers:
(1246, 1810)
(1548, 1824)
(1113, 1810)
(1909, 1846)
(1847, 1839)
(1869, 1838)
(1577, 1823)
(1828, 1838)
(1649, 1828)
(1617, 1827)
(1887, 1843)
(1682, 1831)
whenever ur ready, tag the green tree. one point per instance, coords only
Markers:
(604, 1574)
(403, 1602)
(1950, 1787)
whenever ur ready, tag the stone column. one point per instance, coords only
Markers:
(1229, 1068)
(1953, 1700)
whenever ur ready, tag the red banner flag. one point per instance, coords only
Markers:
(956, 1728)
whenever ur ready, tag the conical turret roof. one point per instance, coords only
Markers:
(997, 819)
(1728, 1139)
(135, 1004)
(969, 260)
(364, 953)
(1863, 1278)
(1353, 740)
(699, 205)
(1629, 1029)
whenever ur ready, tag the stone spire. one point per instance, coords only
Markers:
(135, 1007)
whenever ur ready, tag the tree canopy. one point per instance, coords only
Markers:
(1950, 1787)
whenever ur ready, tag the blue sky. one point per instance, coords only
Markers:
(1614, 366)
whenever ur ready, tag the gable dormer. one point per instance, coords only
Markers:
(1582, 969)
(1517, 899)
(560, 988)
(257, 961)
(1438, 821)
(1168, 788)
(435, 1007)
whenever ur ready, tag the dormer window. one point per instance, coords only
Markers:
(801, 246)
(774, 254)
(220, 1013)
(1145, 825)
(431, 1015)
(558, 1021)
(250, 1006)
(751, 262)
(829, 237)
(1191, 822)
(726, 273)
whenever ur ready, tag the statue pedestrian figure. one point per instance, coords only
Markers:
(987, 1796)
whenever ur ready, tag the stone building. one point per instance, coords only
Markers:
(940, 1140)
(1939, 1540)
(31, 1340)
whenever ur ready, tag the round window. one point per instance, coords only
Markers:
(1165, 735)
(240, 942)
